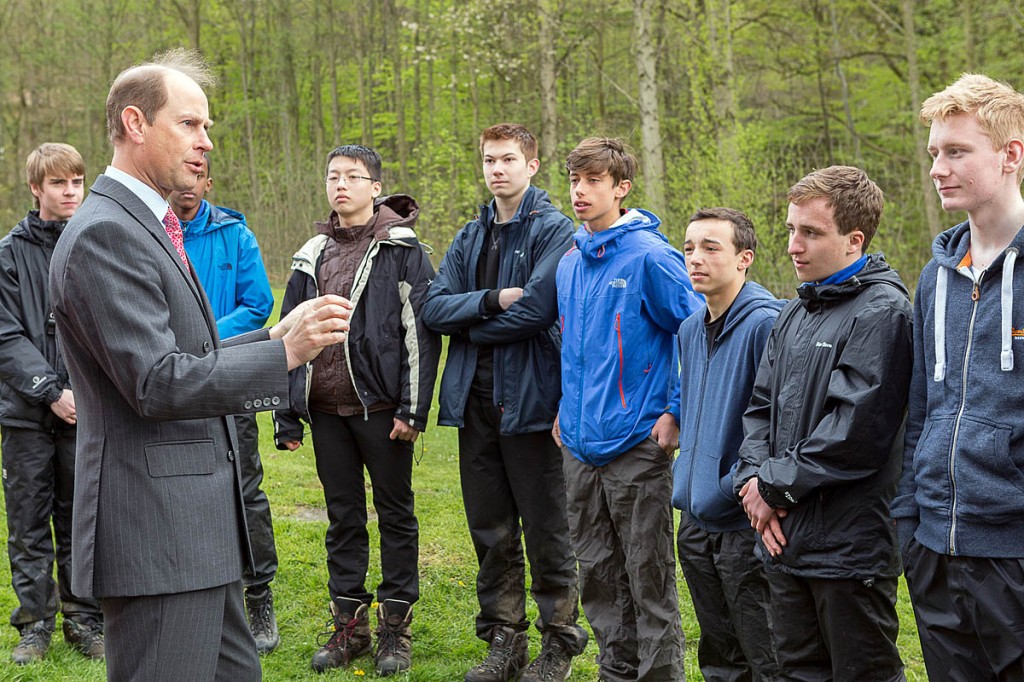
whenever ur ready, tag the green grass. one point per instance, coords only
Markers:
(444, 644)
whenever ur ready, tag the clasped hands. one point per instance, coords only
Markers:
(763, 518)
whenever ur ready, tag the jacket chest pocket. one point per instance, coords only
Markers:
(184, 458)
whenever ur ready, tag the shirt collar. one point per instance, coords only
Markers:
(156, 203)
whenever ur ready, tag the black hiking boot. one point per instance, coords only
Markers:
(509, 652)
(259, 608)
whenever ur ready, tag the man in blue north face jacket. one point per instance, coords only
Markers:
(225, 256)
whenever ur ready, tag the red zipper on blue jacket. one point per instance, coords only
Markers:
(618, 332)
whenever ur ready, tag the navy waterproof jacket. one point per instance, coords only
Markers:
(715, 392)
(525, 338)
(963, 466)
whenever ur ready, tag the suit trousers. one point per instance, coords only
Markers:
(342, 447)
(192, 636)
(257, 506)
(39, 479)
(970, 615)
(508, 480)
(730, 596)
(620, 518)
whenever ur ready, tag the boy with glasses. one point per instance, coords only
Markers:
(366, 401)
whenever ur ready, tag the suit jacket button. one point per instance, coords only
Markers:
(206, 346)
(257, 403)
(275, 401)
(231, 455)
(248, 404)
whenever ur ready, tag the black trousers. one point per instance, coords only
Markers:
(343, 446)
(970, 615)
(730, 597)
(39, 481)
(842, 630)
(508, 481)
(192, 636)
(257, 506)
(620, 517)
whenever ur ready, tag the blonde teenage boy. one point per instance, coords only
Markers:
(960, 510)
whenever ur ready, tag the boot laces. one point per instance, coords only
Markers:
(337, 637)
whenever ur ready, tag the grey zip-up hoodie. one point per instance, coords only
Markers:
(962, 488)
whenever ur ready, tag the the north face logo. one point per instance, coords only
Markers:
(617, 283)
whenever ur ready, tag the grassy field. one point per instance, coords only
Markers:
(444, 644)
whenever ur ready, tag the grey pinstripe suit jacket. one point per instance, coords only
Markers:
(157, 503)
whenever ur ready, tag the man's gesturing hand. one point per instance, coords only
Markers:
(312, 326)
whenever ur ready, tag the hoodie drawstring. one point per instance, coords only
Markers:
(1006, 302)
(940, 323)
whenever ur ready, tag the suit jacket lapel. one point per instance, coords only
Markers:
(131, 203)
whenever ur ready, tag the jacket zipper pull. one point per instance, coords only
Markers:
(976, 293)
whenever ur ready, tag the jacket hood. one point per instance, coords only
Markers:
(596, 244)
(949, 250)
(397, 210)
(950, 247)
(752, 297)
(34, 229)
(210, 218)
(393, 218)
(875, 271)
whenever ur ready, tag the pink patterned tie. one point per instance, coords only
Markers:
(173, 228)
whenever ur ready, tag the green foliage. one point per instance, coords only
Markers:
(753, 95)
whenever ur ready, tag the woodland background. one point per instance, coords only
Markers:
(725, 102)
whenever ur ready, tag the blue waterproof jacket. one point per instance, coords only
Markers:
(227, 260)
(525, 337)
(963, 463)
(622, 294)
(715, 392)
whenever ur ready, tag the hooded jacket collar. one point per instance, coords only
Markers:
(594, 245)
(38, 231)
(875, 271)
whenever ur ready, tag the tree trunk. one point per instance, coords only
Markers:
(548, 88)
(931, 210)
(837, 56)
(652, 162)
(392, 21)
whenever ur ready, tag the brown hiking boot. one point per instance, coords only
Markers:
(394, 637)
(509, 652)
(349, 635)
(34, 643)
(85, 635)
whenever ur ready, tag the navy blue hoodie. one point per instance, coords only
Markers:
(963, 467)
(715, 392)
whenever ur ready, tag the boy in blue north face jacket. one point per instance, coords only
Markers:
(721, 346)
(959, 509)
(622, 293)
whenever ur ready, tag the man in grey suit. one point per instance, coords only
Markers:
(158, 525)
